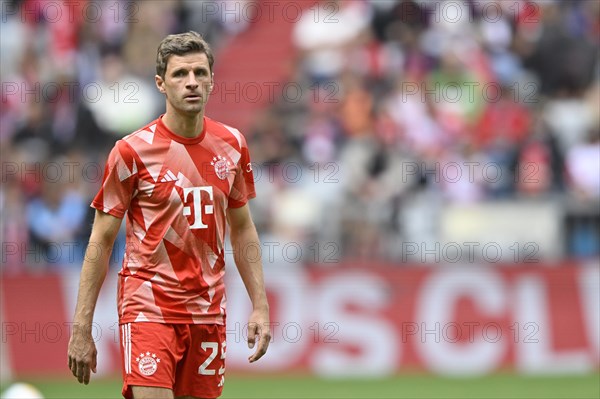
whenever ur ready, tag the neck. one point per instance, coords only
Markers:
(184, 125)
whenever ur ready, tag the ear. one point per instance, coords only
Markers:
(212, 82)
(160, 83)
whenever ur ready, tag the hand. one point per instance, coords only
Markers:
(258, 326)
(82, 354)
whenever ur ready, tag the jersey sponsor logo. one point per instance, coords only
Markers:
(221, 166)
(147, 363)
(196, 203)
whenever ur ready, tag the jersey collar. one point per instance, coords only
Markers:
(162, 128)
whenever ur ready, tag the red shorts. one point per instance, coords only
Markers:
(186, 358)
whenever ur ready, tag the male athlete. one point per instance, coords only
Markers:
(180, 180)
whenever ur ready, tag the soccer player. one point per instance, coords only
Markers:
(180, 180)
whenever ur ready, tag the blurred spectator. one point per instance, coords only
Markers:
(55, 219)
(539, 168)
(583, 177)
(37, 127)
(123, 102)
(392, 93)
(570, 117)
(414, 118)
(453, 90)
(583, 167)
(14, 232)
(506, 120)
(572, 66)
(325, 40)
(460, 184)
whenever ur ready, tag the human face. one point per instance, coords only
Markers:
(187, 84)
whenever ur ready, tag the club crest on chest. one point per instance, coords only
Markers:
(222, 166)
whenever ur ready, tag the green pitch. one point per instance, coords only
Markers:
(404, 386)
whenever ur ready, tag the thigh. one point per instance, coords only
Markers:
(151, 393)
(150, 353)
(202, 370)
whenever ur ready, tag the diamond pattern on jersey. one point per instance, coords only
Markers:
(174, 264)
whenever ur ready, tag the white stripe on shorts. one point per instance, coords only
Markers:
(126, 342)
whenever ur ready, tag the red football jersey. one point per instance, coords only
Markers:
(175, 191)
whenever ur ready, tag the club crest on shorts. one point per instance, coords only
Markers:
(147, 363)
(221, 165)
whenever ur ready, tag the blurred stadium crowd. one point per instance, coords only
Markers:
(417, 106)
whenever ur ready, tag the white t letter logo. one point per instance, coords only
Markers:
(197, 201)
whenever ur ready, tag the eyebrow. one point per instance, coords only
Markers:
(185, 69)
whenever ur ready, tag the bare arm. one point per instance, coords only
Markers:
(243, 237)
(82, 350)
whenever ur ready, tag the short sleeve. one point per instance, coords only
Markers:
(119, 181)
(243, 184)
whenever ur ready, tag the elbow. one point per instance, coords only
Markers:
(103, 238)
(243, 232)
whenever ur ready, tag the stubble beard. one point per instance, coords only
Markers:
(189, 109)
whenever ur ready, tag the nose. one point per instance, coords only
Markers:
(191, 82)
